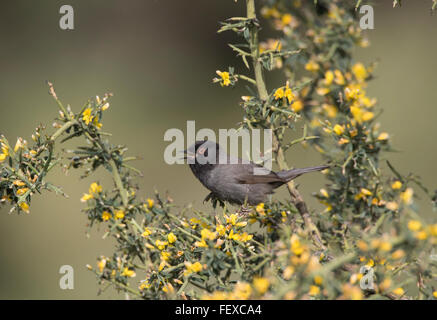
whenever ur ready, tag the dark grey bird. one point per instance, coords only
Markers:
(234, 181)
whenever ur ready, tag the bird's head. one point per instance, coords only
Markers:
(203, 152)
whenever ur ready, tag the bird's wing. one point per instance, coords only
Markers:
(254, 174)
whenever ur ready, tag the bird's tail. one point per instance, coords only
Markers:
(288, 175)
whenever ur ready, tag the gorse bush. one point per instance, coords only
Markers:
(369, 242)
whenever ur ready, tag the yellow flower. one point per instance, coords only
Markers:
(86, 197)
(201, 244)
(2, 157)
(414, 225)
(128, 273)
(19, 145)
(368, 115)
(161, 244)
(398, 254)
(225, 78)
(261, 285)
(322, 91)
(260, 208)
(363, 194)
(383, 136)
(207, 234)
(106, 216)
(339, 78)
(119, 214)
(162, 265)
(362, 245)
(353, 92)
(398, 291)
(421, 235)
(232, 219)
(246, 237)
(150, 203)
(101, 264)
(366, 192)
(19, 183)
(144, 285)
(324, 193)
(352, 292)
(288, 272)
(314, 291)
(370, 263)
(375, 243)
(95, 188)
(318, 280)
(25, 207)
(393, 206)
(296, 246)
(286, 19)
(86, 116)
(338, 129)
(343, 141)
(96, 122)
(396, 185)
(367, 102)
(289, 94)
(5, 149)
(297, 106)
(385, 284)
(220, 229)
(435, 294)
(233, 236)
(147, 232)
(433, 230)
(22, 191)
(105, 106)
(357, 113)
(329, 77)
(192, 267)
(312, 66)
(242, 291)
(359, 71)
(241, 224)
(165, 255)
(407, 196)
(385, 246)
(171, 237)
(279, 93)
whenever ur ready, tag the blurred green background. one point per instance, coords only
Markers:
(158, 58)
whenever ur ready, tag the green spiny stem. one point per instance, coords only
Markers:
(119, 183)
(282, 163)
(62, 129)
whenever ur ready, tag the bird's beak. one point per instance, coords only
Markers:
(187, 154)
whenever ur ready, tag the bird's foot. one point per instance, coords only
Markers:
(244, 211)
(214, 200)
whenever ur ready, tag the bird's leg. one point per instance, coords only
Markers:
(214, 200)
(210, 196)
(244, 211)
